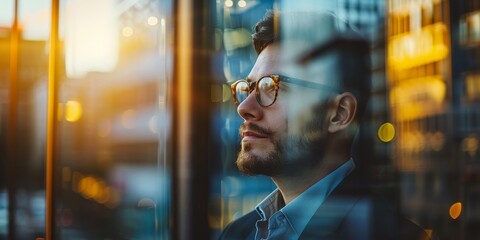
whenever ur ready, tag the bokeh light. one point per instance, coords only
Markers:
(386, 132)
(127, 31)
(242, 3)
(73, 111)
(152, 21)
(455, 210)
(228, 3)
(470, 145)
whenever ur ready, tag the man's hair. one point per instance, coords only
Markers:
(340, 37)
(265, 32)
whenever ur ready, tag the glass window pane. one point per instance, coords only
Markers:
(420, 131)
(114, 120)
(23, 82)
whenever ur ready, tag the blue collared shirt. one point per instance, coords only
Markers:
(280, 221)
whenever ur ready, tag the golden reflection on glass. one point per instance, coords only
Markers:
(95, 189)
(73, 111)
(386, 132)
(411, 97)
(76, 178)
(418, 48)
(100, 192)
(472, 87)
(227, 93)
(104, 128)
(105, 196)
(84, 186)
(470, 145)
(220, 93)
(436, 140)
(429, 232)
(455, 210)
(216, 92)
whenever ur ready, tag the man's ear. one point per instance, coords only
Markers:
(344, 109)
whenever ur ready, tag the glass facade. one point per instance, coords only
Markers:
(145, 131)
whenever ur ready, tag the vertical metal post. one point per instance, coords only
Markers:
(51, 122)
(182, 115)
(191, 118)
(12, 124)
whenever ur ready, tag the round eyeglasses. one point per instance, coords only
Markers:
(266, 88)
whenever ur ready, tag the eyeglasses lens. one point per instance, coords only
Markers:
(241, 91)
(266, 90)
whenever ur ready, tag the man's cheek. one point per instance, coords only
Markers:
(300, 112)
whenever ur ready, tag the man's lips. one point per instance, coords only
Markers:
(252, 135)
(251, 131)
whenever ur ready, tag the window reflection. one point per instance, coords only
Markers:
(422, 124)
(422, 131)
(114, 120)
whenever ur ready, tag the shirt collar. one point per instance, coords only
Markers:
(271, 204)
(301, 209)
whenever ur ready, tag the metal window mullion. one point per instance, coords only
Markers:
(12, 123)
(52, 126)
(191, 117)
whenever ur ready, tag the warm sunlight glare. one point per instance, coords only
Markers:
(91, 37)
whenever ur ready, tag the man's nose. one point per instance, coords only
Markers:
(250, 109)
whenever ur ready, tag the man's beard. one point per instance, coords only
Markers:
(290, 155)
(251, 164)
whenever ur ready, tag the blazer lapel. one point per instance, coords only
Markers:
(329, 216)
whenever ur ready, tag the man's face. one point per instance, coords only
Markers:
(268, 145)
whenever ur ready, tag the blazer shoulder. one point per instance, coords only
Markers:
(242, 227)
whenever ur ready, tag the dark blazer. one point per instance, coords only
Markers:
(351, 211)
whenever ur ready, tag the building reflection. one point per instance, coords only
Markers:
(429, 89)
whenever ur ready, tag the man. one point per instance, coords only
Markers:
(301, 104)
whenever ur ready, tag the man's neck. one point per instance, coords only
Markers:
(292, 185)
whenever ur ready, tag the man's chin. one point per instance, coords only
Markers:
(252, 163)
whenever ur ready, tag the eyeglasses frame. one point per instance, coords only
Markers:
(276, 79)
